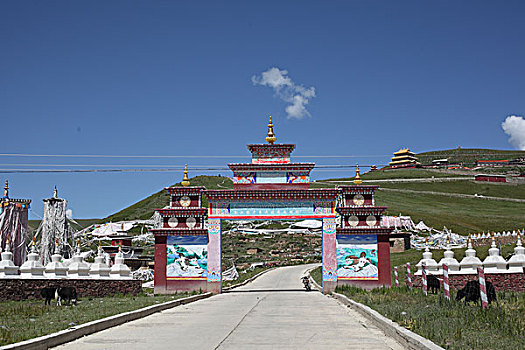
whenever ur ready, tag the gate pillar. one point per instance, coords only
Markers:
(214, 284)
(329, 255)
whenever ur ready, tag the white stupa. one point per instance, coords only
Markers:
(517, 261)
(32, 268)
(8, 269)
(78, 268)
(430, 264)
(55, 268)
(453, 264)
(494, 262)
(120, 270)
(99, 269)
(470, 262)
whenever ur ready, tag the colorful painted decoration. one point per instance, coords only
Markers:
(187, 257)
(353, 221)
(173, 222)
(273, 209)
(371, 220)
(191, 222)
(357, 257)
(185, 201)
(359, 199)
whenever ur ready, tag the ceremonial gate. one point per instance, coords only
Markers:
(188, 254)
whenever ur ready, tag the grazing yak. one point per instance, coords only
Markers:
(471, 292)
(69, 294)
(48, 293)
(433, 284)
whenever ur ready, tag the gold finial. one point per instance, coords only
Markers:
(448, 240)
(185, 181)
(6, 189)
(357, 179)
(34, 241)
(55, 192)
(270, 137)
(120, 246)
(78, 243)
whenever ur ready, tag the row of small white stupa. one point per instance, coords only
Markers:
(493, 263)
(496, 234)
(32, 268)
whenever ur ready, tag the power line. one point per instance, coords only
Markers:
(170, 156)
(122, 170)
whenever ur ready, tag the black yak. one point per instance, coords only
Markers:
(48, 293)
(69, 294)
(471, 292)
(433, 284)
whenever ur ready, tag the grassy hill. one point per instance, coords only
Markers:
(463, 215)
(468, 156)
(146, 207)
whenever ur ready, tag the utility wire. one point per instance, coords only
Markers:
(507, 153)
(121, 170)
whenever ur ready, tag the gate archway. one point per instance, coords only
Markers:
(188, 255)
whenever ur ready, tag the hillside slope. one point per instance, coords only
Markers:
(463, 215)
(468, 156)
(145, 208)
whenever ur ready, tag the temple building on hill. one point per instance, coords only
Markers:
(404, 159)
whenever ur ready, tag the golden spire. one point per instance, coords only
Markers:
(6, 189)
(55, 192)
(185, 181)
(357, 179)
(78, 243)
(270, 137)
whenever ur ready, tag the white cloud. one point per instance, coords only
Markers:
(296, 95)
(69, 213)
(514, 126)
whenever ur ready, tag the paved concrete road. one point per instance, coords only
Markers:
(272, 312)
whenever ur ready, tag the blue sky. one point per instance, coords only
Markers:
(175, 78)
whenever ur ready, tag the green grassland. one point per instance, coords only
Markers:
(464, 187)
(450, 324)
(22, 320)
(462, 215)
(468, 156)
(385, 174)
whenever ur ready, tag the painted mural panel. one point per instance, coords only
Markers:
(277, 210)
(357, 257)
(187, 257)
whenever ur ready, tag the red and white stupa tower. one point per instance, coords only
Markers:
(363, 247)
(180, 244)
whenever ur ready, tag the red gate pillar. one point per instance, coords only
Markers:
(214, 256)
(160, 265)
(329, 255)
